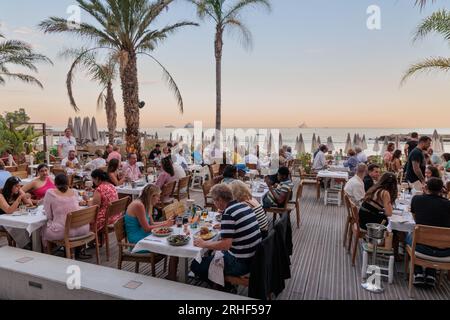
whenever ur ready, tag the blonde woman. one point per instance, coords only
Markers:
(242, 193)
(139, 221)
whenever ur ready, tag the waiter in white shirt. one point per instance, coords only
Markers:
(66, 144)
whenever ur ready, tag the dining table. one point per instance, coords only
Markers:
(160, 245)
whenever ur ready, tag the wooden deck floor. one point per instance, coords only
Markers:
(321, 267)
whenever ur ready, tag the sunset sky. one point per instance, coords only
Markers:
(312, 61)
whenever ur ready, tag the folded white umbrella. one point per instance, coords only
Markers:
(348, 144)
(436, 144)
(364, 143)
(330, 144)
(397, 142)
(319, 142)
(376, 147)
(94, 130)
(86, 131)
(314, 145)
(77, 129)
(301, 145)
(385, 145)
(70, 124)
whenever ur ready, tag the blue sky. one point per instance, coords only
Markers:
(312, 61)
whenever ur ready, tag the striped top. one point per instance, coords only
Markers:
(239, 223)
(261, 216)
(283, 187)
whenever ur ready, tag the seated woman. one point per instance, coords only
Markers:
(113, 173)
(39, 186)
(396, 162)
(230, 174)
(58, 203)
(352, 162)
(139, 221)
(104, 194)
(11, 198)
(378, 203)
(168, 173)
(98, 162)
(432, 172)
(242, 194)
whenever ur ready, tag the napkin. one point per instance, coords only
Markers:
(215, 273)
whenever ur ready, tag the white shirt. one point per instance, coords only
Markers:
(181, 160)
(355, 189)
(179, 171)
(65, 160)
(97, 163)
(319, 161)
(251, 159)
(67, 145)
(361, 157)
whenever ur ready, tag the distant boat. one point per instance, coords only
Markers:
(189, 126)
(303, 126)
(170, 127)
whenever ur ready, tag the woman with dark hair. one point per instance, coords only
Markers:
(230, 174)
(168, 173)
(377, 206)
(13, 196)
(113, 173)
(39, 186)
(104, 194)
(352, 162)
(396, 163)
(58, 203)
(432, 172)
(387, 157)
(446, 163)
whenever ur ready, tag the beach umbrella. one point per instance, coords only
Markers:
(77, 129)
(156, 136)
(319, 142)
(385, 145)
(94, 130)
(364, 143)
(86, 131)
(330, 144)
(348, 144)
(376, 147)
(280, 141)
(269, 144)
(301, 145)
(397, 142)
(314, 145)
(436, 144)
(171, 137)
(70, 124)
(355, 141)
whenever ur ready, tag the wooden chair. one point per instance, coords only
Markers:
(429, 236)
(214, 170)
(348, 224)
(174, 209)
(296, 203)
(20, 174)
(310, 179)
(4, 233)
(252, 166)
(207, 186)
(11, 169)
(167, 194)
(57, 171)
(357, 233)
(117, 207)
(283, 210)
(182, 189)
(22, 167)
(125, 251)
(75, 220)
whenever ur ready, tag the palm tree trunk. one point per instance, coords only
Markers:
(130, 93)
(218, 45)
(111, 113)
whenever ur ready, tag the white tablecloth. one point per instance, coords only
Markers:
(129, 190)
(332, 175)
(28, 222)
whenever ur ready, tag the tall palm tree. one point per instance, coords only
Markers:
(438, 22)
(124, 26)
(422, 3)
(18, 53)
(104, 74)
(226, 16)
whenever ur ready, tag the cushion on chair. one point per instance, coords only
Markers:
(431, 258)
(86, 236)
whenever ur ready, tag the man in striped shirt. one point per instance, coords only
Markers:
(276, 197)
(240, 236)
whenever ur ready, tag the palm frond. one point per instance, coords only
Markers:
(427, 66)
(170, 82)
(23, 77)
(239, 6)
(423, 3)
(438, 22)
(246, 35)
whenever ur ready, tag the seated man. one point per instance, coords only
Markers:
(240, 236)
(131, 169)
(320, 161)
(71, 162)
(430, 209)
(355, 186)
(276, 197)
(374, 173)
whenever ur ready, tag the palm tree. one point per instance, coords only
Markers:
(422, 3)
(124, 26)
(105, 74)
(18, 53)
(438, 22)
(225, 16)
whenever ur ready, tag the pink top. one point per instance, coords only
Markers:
(108, 194)
(164, 178)
(131, 172)
(40, 192)
(56, 209)
(387, 157)
(114, 155)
